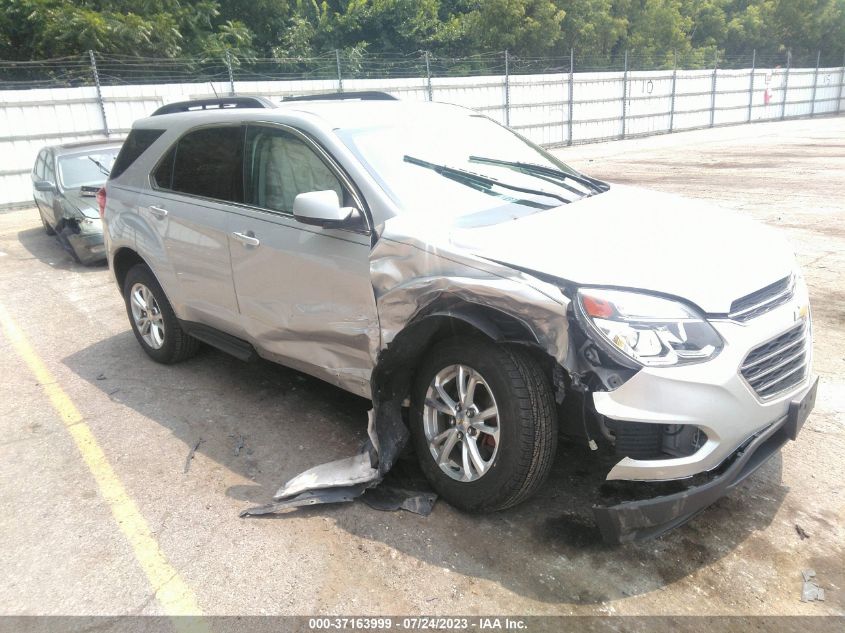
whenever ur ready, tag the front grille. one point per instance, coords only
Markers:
(763, 300)
(779, 364)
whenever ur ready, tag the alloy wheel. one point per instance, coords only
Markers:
(461, 423)
(147, 315)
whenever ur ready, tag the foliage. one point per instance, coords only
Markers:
(654, 31)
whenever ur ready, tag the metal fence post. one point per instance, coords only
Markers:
(428, 77)
(339, 75)
(841, 83)
(571, 92)
(507, 89)
(624, 92)
(231, 74)
(672, 99)
(785, 85)
(815, 83)
(713, 90)
(99, 92)
(751, 83)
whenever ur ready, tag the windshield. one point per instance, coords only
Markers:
(462, 165)
(89, 168)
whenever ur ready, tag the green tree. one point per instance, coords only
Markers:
(387, 26)
(267, 20)
(528, 28)
(658, 30)
(591, 28)
(599, 30)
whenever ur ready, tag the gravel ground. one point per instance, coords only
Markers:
(64, 552)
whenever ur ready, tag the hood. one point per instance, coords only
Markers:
(634, 238)
(87, 205)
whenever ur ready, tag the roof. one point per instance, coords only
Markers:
(335, 114)
(82, 145)
(355, 114)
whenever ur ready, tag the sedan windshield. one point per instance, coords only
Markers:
(465, 165)
(89, 168)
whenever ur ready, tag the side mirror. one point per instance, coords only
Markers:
(321, 208)
(44, 185)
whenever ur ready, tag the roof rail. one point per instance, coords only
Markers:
(220, 103)
(364, 95)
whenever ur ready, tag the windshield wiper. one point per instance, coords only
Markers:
(100, 165)
(596, 186)
(462, 175)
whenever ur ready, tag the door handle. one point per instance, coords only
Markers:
(247, 239)
(158, 212)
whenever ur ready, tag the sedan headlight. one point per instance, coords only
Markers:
(647, 329)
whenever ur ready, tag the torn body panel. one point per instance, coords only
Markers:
(418, 290)
(409, 273)
(81, 236)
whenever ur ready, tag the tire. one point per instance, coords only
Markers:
(517, 446)
(164, 341)
(47, 228)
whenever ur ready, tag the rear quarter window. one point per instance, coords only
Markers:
(135, 144)
(163, 174)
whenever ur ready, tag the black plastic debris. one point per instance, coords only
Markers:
(389, 498)
(190, 456)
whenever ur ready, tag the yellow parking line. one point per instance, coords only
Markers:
(173, 594)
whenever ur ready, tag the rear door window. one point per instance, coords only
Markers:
(207, 162)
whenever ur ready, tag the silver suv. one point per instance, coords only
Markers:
(483, 294)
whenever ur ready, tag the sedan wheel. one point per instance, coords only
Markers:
(47, 228)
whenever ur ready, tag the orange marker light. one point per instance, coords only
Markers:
(597, 307)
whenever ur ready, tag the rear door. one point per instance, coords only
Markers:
(194, 185)
(304, 292)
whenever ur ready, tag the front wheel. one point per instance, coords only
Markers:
(47, 228)
(483, 423)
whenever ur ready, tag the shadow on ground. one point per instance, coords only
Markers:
(268, 423)
(49, 250)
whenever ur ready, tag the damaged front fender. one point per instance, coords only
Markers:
(417, 287)
(409, 274)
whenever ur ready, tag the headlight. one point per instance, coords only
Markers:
(647, 329)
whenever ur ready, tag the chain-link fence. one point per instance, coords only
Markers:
(116, 70)
(553, 101)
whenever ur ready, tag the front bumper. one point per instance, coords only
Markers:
(89, 247)
(649, 518)
(712, 396)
